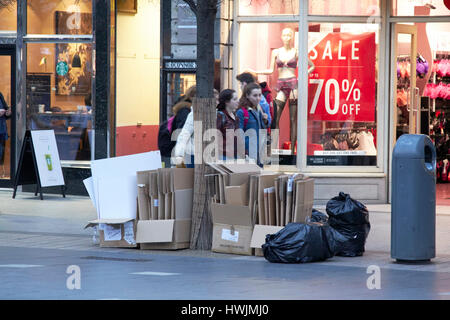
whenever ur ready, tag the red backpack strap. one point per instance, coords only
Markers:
(245, 111)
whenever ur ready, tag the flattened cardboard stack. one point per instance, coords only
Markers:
(250, 203)
(165, 198)
(231, 215)
(282, 199)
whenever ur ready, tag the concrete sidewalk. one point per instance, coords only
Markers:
(58, 223)
(39, 239)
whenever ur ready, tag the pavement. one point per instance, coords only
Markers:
(41, 241)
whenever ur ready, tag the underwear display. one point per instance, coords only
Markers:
(287, 85)
(290, 64)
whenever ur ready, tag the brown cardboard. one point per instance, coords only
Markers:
(271, 206)
(232, 229)
(253, 197)
(163, 234)
(126, 240)
(304, 199)
(143, 202)
(277, 202)
(259, 234)
(241, 168)
(154, 195)
(237, 195)
(265, 181)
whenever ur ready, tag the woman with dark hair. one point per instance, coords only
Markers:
(228, 123)
(251, 120)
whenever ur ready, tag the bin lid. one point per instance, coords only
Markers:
(412, 146)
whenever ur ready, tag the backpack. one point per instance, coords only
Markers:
(245, 111)
(165, 143)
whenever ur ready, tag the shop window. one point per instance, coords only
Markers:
(269, 51)
(342, 104)
(420, 8)
(268, 7)
(59, 17)
(344, 8)
(58, 86)
(8, 16)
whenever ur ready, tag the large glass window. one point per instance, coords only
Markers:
(8, 16)
(58, 84)
(342, 104)
(420, 8)
(268, 7)
(59, 17)
(269, 51)
(344, 8)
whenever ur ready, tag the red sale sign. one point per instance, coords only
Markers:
(342, 86)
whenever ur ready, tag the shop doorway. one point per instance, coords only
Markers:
(7, 124)
(406, 113)
(421, 91)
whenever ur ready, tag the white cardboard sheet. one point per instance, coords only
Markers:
(112, 187)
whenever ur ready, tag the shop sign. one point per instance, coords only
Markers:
(183, 65)
(342, 86)
(62, 68)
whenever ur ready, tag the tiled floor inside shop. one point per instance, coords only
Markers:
(443, 194)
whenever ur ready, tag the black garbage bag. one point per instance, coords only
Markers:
(300, 243)
(350, 218)
(317, 216)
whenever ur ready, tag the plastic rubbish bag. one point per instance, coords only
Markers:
(351, 219)
(317, 216)
(300, 243)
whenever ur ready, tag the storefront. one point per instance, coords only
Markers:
(135, 58)
(357, 99)
(55, 60)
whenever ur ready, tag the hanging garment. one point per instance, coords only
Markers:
(366, 143)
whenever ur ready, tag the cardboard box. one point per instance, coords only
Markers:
(233, 174)
(259, 237)
(304, 199)
(169, 233)
(115, 233)
(237, 195)
(232, 229)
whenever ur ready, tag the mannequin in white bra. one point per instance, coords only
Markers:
(286, 60)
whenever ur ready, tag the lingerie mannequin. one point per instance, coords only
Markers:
(286, 60)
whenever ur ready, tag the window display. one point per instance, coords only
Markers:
(285, 59)
(276, 68)
(58, 86)
(59, 17)
(342, 95)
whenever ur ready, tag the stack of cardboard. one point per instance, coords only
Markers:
(290, 199)
(165, 198)
(232, 218)
(250, 203)
(112, 189)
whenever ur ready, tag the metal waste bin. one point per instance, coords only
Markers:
(413, 218)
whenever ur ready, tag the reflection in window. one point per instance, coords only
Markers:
(342, 107)
(8, 15)
(267, 7)
(420, 8)
(59, 17)
(344, 8)
(58, 87)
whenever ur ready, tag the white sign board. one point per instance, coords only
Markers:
(47, 158)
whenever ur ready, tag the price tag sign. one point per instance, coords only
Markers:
(342, 86)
